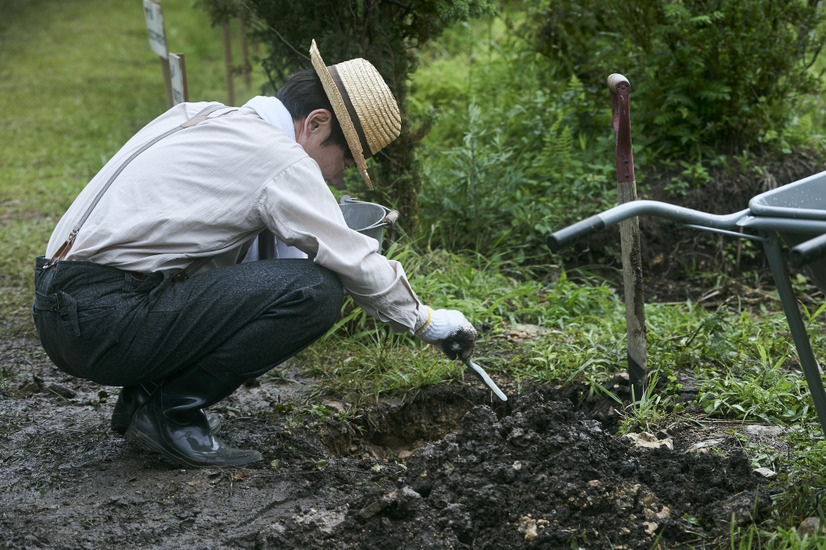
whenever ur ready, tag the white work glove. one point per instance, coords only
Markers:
(449, 331)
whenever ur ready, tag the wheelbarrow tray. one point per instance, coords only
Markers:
(795, 213)
(804, 199)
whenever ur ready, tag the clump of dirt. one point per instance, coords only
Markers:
(451, 467)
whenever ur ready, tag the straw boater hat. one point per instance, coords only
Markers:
(363, 104)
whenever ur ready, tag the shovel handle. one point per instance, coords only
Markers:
(621, 115)
(616, 80)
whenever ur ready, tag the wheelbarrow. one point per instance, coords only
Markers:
(794, 213)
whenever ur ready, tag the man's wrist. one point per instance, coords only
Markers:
(428, 313)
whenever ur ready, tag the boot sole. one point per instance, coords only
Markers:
(148, 444)
(120, 423)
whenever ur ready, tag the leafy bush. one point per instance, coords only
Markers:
(708, 76)
(521, 142)
(507, 162)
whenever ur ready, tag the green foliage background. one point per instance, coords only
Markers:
(386, 33)
(507, 160)
(521, 142)
(709, 76)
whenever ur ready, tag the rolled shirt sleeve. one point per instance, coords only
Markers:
(299, 208)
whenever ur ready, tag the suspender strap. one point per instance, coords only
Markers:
(67, 244)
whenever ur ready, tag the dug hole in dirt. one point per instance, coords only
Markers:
(451, 467)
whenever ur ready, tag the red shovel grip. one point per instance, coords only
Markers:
(621, 115)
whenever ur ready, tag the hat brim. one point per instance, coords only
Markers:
(340, 110)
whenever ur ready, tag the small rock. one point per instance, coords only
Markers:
(653, 516)
(517, 465)
(768, 473)
(650, 527)
(35, 385)
(405, 500)
(809, 526)
(704, 446)
(648, 499)
(761, 429)
(739, 508)
(527, 525)
(374, 508)
(408, 493)
(646, 440)
(334, 406)
(62, 391)
(523, 332)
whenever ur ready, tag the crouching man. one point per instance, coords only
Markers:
(141, 285)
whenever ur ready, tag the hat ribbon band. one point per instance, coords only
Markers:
(368, 152)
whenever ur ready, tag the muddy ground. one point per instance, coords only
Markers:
(451, 467)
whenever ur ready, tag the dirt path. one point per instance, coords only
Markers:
(449, 468)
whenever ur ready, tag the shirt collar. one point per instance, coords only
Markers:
(271, 110)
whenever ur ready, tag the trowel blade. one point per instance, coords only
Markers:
(480, 372)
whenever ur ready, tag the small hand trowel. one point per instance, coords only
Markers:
(480, 372)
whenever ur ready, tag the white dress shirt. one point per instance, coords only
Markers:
(205, 192)
(273, 111)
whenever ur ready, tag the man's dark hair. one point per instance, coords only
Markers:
(302, 94)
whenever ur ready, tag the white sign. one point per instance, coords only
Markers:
(154, 24)
(177, 74)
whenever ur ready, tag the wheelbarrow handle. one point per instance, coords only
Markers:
(808, 251)
(571, 234)
(587, 227)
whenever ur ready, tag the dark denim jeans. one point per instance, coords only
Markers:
(118, 328)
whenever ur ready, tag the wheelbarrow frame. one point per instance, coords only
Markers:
(768, 218)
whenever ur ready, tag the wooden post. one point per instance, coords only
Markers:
(157, 42)
(167, 82)
(177, 70)
(630, 236)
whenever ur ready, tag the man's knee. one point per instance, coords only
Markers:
(328, 297)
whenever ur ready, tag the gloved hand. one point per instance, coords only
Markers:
(449, 331)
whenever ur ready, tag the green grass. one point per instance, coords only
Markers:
(77, 79)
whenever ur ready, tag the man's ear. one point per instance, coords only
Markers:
(317, 120)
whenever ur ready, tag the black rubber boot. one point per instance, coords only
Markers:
(172, 423)
(132, 397)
